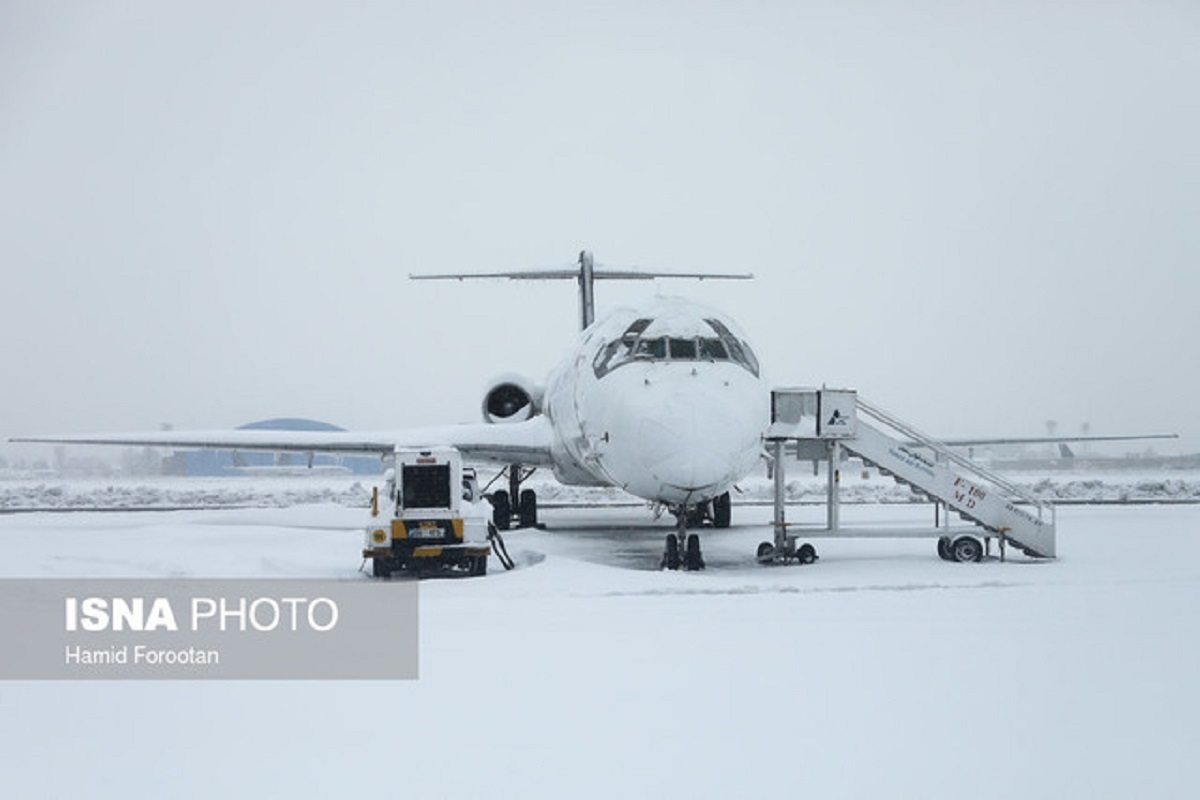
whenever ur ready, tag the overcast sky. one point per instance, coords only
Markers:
(981, 215)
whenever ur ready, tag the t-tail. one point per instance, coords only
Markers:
(586, 274)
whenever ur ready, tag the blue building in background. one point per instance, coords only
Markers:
(237, 462)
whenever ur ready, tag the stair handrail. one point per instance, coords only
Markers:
(925, 440)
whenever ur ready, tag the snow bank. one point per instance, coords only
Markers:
(257, 492)
(174, 493)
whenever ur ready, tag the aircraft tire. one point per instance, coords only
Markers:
(501, 510)
(670, 559)
(692, 559)
(527, 509)
(722, 511)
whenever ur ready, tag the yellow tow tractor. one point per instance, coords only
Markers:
(418, 524)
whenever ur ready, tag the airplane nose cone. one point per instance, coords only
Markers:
(683, 453)
(684, 446)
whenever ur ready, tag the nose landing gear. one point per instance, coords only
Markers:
(690, 559)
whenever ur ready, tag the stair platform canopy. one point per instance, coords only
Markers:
(827, 424)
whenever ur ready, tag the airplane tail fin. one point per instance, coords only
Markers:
(586, 274)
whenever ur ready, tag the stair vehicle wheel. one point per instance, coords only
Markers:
(670, 559)
(966, 548)
(764, 550)
(806, 554)
(381, 568)
(501, 510)
(527, 509)
(692, 559)
(943, 549)
(722, 511)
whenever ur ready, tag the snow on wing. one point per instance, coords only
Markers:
(523, 443)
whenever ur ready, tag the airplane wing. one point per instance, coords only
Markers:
(1053, 440)
(525, 443)
(1061, 441)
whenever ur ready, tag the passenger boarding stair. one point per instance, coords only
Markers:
(828, 421)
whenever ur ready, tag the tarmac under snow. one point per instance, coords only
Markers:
(879, 671)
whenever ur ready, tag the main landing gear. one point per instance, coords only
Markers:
(717, 512)
(524, 511)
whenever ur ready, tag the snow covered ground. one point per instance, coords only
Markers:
(880, 671)
(802, 487)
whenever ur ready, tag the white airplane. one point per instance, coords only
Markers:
(664, 400)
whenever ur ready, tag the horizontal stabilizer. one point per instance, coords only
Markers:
(587, 273)
(573, 274)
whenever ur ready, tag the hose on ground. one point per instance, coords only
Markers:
(498, 546)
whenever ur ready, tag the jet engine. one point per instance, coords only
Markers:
(512, 398)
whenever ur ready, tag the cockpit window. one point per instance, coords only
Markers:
(682, 349)
(637, 328)
(654, 349)
(739, 351)
(635, 346)
(713, 350)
